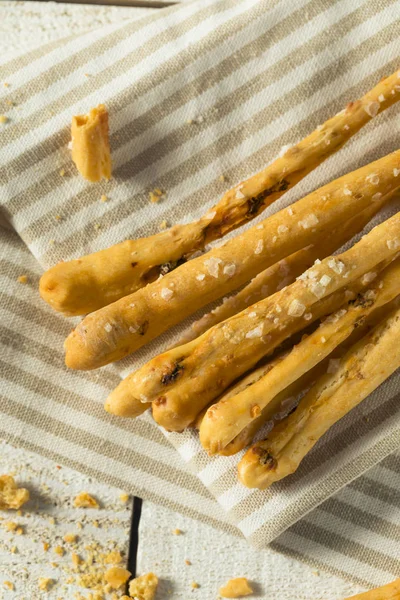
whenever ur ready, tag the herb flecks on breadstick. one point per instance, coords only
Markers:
(351, 379)
(227, 418)
(65, 287)
(206, 366)
(116, 330)
(90, 144)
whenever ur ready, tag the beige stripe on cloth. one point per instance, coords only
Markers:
(256, 75)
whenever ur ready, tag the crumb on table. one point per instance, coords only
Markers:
(236, 588)
(144, 587)
(117, 576)
(11, 497)
(85, 500)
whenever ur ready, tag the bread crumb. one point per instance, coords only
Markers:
(97, 226)
(3, 119)
(22, 279)
(236, 588)
(45, 583)
(222, 178)
(163, 225)
(103, 198)
(177, 532)
(187, 562)
(59, 550)
(195, 585)
(13, 550)
(9, 585)
(58, 217)
(117, 576)
(62, 172)
(19, 531)
(70, 538)
(144, 587)
(6, 84)
(85, 500)
(76, 559)
(96, 524)
(46, 546)
(113, 557)
(12, 497)
(156, 195)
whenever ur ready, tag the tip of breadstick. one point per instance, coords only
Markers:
(122, 403)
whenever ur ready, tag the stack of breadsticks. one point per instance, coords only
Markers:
(306, 323)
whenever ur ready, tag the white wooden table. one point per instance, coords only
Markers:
(215, 557)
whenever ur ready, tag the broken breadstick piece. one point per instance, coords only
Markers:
(90, 144)
(236, 588)
(390, 591)
(11, 497)
(144, 587)
(347, 382)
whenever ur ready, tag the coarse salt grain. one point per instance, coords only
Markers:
(290, 211)
(200, 277)
(261, 226)
(333, 365)
(211, 214)
(230, 269)
(396, 172)
(166, 293)
(347, 192)
(325, 280)
(274, 239)
(296, 308)
(252, 315)
(107, 327)
(308, 316)
(336, 265)
(212, 266)
(259, 247)
(346, 127)
(318, 290)
(323, 339)
(372, 178)
(278, 308)
(372, 109)
(309, 221)
(381, 98)
(282, 229)
(376, 196)
(283, 150)
(239, 194)
(255, 333)
(393, 244)
(368, 277)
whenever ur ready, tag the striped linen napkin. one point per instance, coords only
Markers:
(195, 91)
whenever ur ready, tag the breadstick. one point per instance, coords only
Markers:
(283, 272)
(183, 380)
(284, 400)
(227, 418)
(363, 368)
(116, 330)
(65, 285)
(390, 591)
(90, 144)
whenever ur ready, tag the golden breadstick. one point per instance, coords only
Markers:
(283, 272)
(362, 369)
(65, 286)
(116, 330)
(181, 381)
(227, 418)
(90, 144)
(390, 591)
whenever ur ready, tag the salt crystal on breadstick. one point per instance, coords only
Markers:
(183, 380)
(227, 418)
(81, 286)
(363, 368)
(116, 330)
